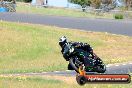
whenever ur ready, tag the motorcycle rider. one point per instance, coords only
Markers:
(84, 46)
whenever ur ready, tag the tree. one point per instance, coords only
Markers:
(82, 3)
(96, 3)
(106, 2)
(128, 4)
(108, 5)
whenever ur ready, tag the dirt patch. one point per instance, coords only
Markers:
(66, 79)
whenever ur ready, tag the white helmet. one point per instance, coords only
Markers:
(62, 41)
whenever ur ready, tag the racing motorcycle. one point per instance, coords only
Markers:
(79, 58)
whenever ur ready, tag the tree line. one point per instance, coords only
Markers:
(97, 3)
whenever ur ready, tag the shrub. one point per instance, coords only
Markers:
(27, 0)
(118, 16)
(24, 1)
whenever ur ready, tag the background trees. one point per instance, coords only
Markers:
(82, 3)
(94, 3)
(128, 4)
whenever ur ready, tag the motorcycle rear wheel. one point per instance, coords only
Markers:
(81, 80)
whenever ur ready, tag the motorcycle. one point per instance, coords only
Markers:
(80, 59)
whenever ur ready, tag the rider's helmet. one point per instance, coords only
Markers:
(62, 41)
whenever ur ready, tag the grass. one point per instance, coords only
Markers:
(34, 48)
(26, 8)
(27, 82)
(41, 82)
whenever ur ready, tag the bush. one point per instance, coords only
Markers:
(27, 0)
(118, 16)
(24, 1)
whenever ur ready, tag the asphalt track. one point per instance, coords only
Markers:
(123, 27)
(102, 25)
(118, 68)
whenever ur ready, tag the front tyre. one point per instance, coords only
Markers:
(71, 62)
(101, 68)
(70, 67)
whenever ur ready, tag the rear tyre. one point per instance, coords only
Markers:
(81, 80)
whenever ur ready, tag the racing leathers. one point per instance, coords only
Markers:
(79, 45)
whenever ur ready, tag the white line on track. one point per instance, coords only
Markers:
(68, 70)
(44, 72)
(117, 65)
(107, 65)
(123, 64)
(130, 63)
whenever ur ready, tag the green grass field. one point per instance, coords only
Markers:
(34, 48)
(42, 82)
(26, 8)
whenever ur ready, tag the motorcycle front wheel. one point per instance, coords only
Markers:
(71, 62)
(101, 68)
